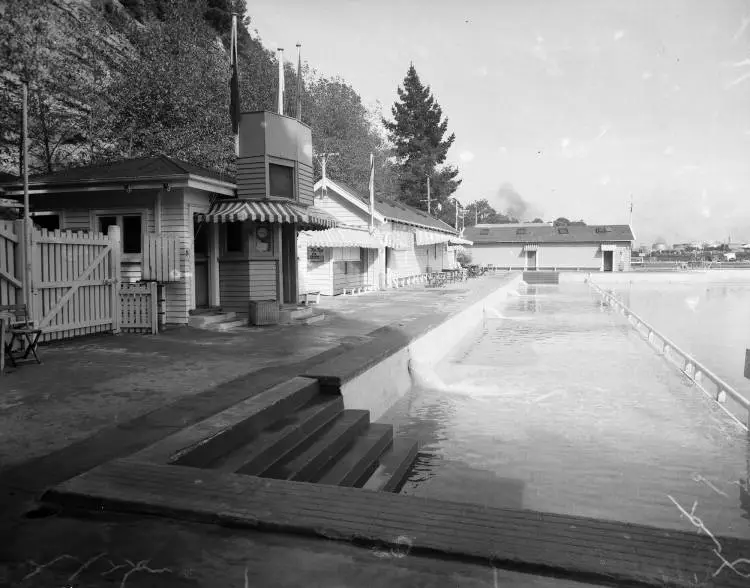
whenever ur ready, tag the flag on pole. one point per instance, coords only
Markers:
(372, 192)
(234, 88)
(299, 82)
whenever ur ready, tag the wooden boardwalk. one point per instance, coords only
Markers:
(551, 544)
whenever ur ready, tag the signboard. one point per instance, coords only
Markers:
(315, 254)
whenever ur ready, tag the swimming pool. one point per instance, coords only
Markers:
(560, 406)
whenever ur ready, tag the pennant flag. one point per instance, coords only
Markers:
(234, 87)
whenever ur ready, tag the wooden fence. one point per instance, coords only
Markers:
(161, 259)
(10, 264)
(76, 286)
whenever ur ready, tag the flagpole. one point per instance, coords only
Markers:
(281, 80)
(234, 87)
(372, 193)
(299, 81)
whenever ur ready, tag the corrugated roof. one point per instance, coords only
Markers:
(139, 168)
(548, 234)
(398, 211)
(341, 237)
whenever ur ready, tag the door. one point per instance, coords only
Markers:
(608, 261)
(531, 260)
(200, 232)
(289, 262)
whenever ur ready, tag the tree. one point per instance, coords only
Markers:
(561, 222)
(417, 132)
(340, 124)
(537, 220)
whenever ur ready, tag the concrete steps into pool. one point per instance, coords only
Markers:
(541, 277)
(317, 440)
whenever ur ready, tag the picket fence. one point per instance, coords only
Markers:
(75, 282)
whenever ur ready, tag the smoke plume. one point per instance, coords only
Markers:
(512, 204)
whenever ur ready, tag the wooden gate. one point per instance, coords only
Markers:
(75, 282)
(139, 309)
(10, 264)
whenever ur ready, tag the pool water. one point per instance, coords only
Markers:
(561, 406)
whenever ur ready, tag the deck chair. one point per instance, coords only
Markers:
(22, 329)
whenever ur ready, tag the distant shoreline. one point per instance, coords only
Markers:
(741, 275)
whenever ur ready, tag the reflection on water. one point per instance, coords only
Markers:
(571, 412)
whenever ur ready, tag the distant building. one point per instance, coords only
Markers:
(543, 246)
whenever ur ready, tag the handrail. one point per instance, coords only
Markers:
(698, 369)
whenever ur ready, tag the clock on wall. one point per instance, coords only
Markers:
(262, 232)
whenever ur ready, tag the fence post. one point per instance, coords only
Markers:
(114, 237)
(35, 259)
(153, 307)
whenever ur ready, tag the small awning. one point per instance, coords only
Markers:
(431, 238)
(609, 247)
(399, 240)
(459, 241)
(272, 211)
(530, 247)
(341, 237)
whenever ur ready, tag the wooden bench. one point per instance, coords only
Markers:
(22, 330)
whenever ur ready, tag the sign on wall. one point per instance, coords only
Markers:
(315, 254)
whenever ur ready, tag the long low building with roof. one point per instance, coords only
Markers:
(532, 246)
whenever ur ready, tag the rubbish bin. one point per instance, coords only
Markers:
(264, 312)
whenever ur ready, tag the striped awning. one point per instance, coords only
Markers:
(341, 237)
(459, 241)
(431, 238)
(609, 247)
(272, 211)
(530, 247)
(399, 240)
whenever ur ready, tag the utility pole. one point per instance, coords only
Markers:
(428, 199)
(26, 210)
(455, 202)
(323, 158)
(630, 218)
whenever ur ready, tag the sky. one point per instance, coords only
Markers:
(580, 105)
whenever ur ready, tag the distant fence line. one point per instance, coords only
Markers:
(691, 367)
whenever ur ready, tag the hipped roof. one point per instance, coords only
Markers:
(548, 234)
(137, 169)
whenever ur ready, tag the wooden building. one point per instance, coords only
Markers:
(531, 246)
(404, 243)
(254, 236)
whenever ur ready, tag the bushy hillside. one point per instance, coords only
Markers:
(111, 79)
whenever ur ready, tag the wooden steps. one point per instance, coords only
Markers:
(323, 449)
(393, 469)
(362, 457)
(276, 441)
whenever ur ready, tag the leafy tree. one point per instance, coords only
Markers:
(417, 132)
(561, 222)
(537, 220)
(340, 124)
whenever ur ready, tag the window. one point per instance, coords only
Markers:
(281, 180)
(484, 231)
(200, 238)
(233, 234)
(521, 231)
(51, 222)
(131, 234)
(562, 230)
(131, 230)
(602, 229)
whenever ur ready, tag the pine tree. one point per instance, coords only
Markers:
(418, 134)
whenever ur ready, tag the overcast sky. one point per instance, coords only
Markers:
(577, 104)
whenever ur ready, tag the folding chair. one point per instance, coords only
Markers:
(22, 330)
